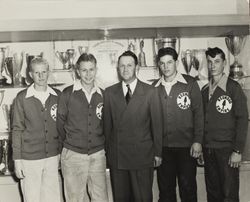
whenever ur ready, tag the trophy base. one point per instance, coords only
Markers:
(6, 172)
(236, 71)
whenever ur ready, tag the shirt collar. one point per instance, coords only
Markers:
(177, 78)
(78, 86)
(132, 85)
(222, 82)
(31, 91)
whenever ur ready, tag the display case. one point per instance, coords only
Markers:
(60, 38)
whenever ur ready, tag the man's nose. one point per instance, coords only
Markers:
(213, 64)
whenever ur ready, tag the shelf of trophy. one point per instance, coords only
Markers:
(6, 162)
(28, 30)
(7, 96)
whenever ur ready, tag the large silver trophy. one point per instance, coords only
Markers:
(71, 54)
(199, 62)
(9, 68)
(4, 141)
(187, 58)
(132, 45)
(67, 57)
(4, 166)
(63, 58)
(3, 53)
(235, 45)
(141, 56)
(17, 67)
(163, 43)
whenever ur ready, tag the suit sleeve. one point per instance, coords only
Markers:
(198, 115)
(156, 122)
(62, 113)
(107, 119)
(18, 127)
(241, 116)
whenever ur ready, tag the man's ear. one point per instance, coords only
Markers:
(225, 62)
(137, 68)
(177, 63)
(77, 72)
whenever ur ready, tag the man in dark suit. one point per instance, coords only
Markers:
(133, 131)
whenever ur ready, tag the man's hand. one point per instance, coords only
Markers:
(196, 150)
(157, 161)
(19, 169)
(235, 160)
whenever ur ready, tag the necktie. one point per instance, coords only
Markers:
(129, 94)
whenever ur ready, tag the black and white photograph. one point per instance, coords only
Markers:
(124, 101)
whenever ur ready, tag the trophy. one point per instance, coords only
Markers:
(1, 96)
(9, 70)
(163, 43)
(187, 58)
(71, 55)
(83, 49)
(63, 58)
(3, 51)
(6, 114)
(17, 67)
(131, 45)
(141, 56)
(235, 45)
(113, 58)
(198, 62)
(29, 80)
(4, 166)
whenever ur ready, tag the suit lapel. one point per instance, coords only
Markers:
(119, 99)
(124, 110)
(135, 101)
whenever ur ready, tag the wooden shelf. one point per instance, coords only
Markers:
(122, 27)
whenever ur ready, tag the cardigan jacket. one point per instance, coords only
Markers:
(34, 134)
(226, 117)
(182, 113)
(80, 123)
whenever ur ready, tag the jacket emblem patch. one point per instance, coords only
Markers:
(224, 104)
(53, 111)
(183, 100)
(99, 109)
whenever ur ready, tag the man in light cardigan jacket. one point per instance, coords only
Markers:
(35, 139)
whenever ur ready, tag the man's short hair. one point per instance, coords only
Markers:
(85, 57)
(38, 60)
(212, 52)
(167, 51)
(131, 54)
